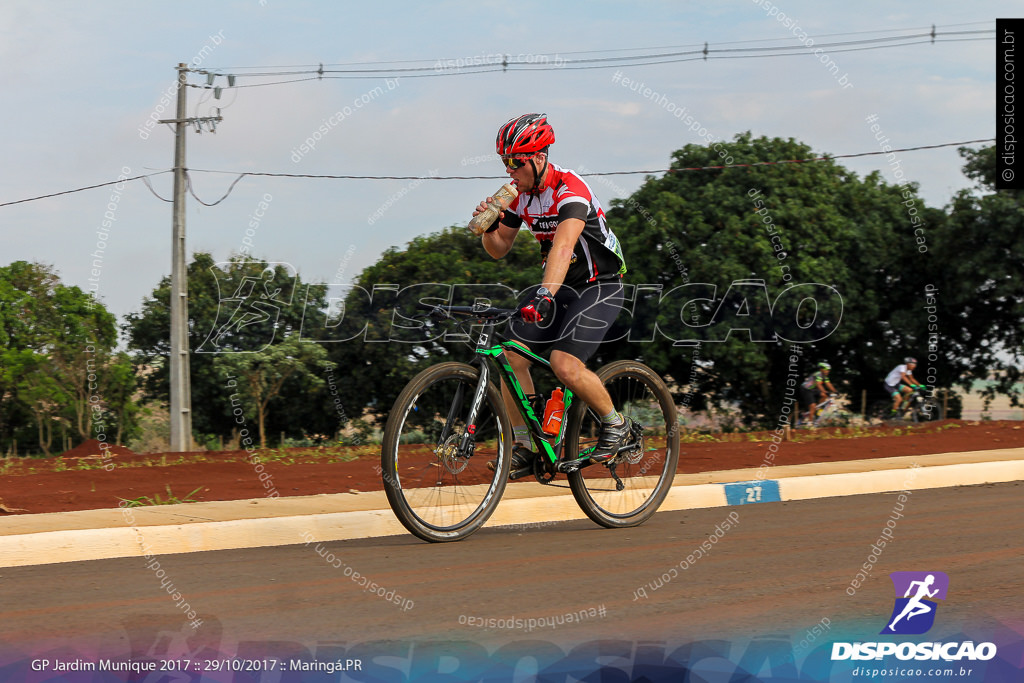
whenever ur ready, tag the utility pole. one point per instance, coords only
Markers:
(181, 389)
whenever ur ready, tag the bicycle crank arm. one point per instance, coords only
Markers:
(569, 466)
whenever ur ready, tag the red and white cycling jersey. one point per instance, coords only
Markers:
(597, 254)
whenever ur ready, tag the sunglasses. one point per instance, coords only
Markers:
(513, 162)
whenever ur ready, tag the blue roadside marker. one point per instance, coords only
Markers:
(757, 491)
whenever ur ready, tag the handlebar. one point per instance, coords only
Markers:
(484, 314)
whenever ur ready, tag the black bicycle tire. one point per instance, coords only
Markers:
(389, 453)
(922, 415)
(574, 421)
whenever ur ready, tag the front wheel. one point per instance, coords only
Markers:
(628, 489)
(434, 464)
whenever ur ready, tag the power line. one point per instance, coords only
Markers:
(144, 177)
(830, 157)
(243, 174)
(549, 62)
(314, 68)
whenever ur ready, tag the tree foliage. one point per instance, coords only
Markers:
(55, 360)
(261, 375)
(237, 307)
(815, 223)
(712, 254)
(979, 256)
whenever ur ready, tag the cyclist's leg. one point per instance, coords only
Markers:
(893, 391)
(534, 338)
(904, 394)
(586, 317)
(587, 320)
(582, 380)
(807, 399)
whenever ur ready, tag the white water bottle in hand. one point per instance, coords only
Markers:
(501, 201)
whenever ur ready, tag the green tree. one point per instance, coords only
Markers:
(978, 332)
(713, 255)
(785, 224)
(261, 375)
(42, 395)
(242, 305)
(57, 341)
(120, 390)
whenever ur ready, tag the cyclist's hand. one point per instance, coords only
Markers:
(482, 206)
(537, 307)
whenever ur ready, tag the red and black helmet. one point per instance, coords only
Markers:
(526, 134)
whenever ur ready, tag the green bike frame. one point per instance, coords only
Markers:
(551, 445)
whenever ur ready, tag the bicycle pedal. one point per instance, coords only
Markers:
(569, 466)
(628, 447)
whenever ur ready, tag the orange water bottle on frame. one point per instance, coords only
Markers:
(553, 411)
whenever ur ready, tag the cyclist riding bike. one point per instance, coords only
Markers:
(812, 391)
(580, 295)
(900, 383)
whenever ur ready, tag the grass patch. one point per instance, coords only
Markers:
(89, 465)
(171, 499)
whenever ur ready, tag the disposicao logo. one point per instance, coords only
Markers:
(914, 612)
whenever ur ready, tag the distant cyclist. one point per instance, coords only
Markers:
(813, 390)
(900, 383)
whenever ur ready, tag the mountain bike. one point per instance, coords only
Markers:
(450, 421)
(919, 406)
(828, 413)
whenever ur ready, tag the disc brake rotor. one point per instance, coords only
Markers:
(448, 452)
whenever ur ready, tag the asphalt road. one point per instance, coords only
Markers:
(781, 569)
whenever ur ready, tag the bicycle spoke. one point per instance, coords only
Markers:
(436, 472)
(645, 472)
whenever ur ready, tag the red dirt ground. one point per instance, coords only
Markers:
(57, 484)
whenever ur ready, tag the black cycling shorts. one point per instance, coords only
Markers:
(579, 322)
(808, 396)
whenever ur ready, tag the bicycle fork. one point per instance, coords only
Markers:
(466, 443)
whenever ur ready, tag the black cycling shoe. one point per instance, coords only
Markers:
(522, 462)
(613, 440)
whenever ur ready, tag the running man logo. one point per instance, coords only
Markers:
(250, 304)
(914, 613)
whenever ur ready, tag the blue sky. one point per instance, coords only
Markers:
(81, 78)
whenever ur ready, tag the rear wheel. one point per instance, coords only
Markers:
(927, 409)
(644, 474)
(435, 465)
